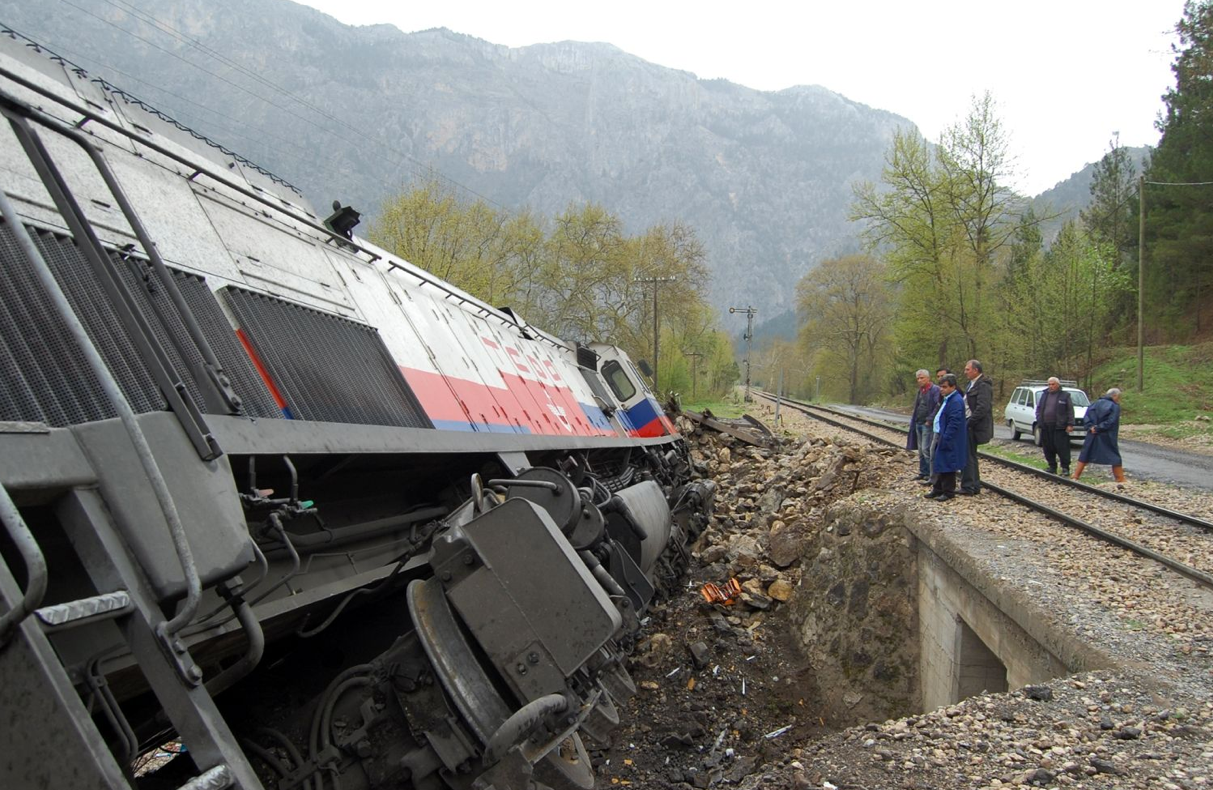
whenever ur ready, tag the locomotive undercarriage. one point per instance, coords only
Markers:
(487, 638)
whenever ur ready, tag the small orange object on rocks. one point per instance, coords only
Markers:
(726, 593)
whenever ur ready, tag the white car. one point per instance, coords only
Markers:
(1020, 413)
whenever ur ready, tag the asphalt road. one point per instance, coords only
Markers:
(1144, 461)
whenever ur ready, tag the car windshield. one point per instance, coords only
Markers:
(1078, 397)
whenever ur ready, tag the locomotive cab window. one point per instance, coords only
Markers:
(618, 381)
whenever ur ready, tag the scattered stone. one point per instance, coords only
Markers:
(1038, 693)
(1127, 733)
(699, 654)
(780, 590)
(679, 740)
(759, 602)
(741, 769)
(784, 545)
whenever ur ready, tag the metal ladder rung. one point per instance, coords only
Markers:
(99, 607)
(216, 778)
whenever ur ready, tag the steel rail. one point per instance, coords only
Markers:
(1021, 467)
(1185, 570)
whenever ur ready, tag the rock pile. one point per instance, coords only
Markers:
(724, 689)
(771, 502)
(730, 696)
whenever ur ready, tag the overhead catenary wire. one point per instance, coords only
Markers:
(1179, 183)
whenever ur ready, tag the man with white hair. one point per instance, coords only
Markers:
(921, 430)
(1102, 445)
(1055, 416)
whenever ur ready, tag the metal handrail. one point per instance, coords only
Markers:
(35, 566)
(114, 393)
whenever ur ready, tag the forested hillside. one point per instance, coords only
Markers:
(956, 267)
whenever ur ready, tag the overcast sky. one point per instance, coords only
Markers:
(1067, 74)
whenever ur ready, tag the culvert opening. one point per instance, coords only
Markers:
(890, 629)
(978, 669)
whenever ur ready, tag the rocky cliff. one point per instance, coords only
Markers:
(354, 112)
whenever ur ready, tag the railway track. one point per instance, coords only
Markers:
(1120, 518)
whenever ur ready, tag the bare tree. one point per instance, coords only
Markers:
(849, 312)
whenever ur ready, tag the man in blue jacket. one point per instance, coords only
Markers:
(1102, 445)
(951, 441)
(921, 430)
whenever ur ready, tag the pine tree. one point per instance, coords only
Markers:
(1179, 236)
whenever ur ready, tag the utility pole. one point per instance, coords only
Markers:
(655, 281)
(1141, 266)
(1141, 282)
(749, 313)
(694, 355)
(817, 396)
(779, 396)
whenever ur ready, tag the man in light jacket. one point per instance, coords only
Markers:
(921, 431)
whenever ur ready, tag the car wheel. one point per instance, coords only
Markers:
(1015, 433)
(1038, 436)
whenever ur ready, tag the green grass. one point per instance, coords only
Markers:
(1027, 453)
(1178, 387)
(728, 408)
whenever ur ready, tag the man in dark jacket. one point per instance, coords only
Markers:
(1055, 416)
(979, 403)
(948, 453)
(925, 403)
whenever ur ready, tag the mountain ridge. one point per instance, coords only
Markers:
(763, 176)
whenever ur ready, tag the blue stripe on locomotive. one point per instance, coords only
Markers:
(643, 413)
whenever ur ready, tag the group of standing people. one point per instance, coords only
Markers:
(949, 422)
(948, 425)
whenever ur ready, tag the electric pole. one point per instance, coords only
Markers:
(749, 313)
(779, 396)
(1141, 281)
(655, 281)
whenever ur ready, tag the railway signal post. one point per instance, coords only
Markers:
(749, 313)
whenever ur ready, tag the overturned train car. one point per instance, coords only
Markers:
(275, 495)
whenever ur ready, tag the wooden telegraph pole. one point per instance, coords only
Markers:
(655, 281)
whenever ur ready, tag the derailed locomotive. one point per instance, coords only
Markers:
(274, 494)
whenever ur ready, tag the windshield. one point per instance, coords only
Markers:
(1078, 397)
(618, 381)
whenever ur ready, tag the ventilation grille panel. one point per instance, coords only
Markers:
(328, 368)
